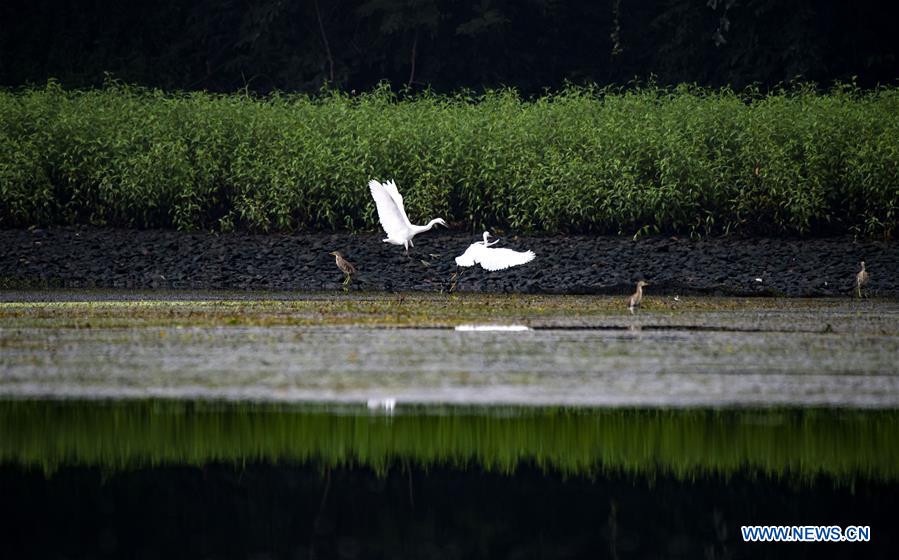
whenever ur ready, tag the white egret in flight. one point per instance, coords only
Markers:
(490, 259)
(392, 215)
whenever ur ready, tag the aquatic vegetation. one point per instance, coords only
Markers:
(584, 160)
(794, 444)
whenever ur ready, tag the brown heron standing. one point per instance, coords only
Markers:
(637, 298)
(345, 266)
(861, 279)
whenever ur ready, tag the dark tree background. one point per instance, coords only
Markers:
(298, 45)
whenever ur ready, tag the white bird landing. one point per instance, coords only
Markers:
(490, 259)
(392, 215)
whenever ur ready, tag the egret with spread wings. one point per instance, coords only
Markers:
(392, 215)
(481, 252)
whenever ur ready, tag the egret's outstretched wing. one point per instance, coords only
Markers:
(499, 259)
(469, 257)
(392, 217)
(394, 193)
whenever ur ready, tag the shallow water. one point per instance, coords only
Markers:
(796, 444)
(237, 480)
(667, 367)
(286, 426)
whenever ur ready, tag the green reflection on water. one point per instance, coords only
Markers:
(796, 444)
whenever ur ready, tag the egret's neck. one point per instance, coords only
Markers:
(419, 229)
(639, 290)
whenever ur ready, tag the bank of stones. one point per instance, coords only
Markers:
(129, 259)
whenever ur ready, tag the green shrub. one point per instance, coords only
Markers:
(684, 160)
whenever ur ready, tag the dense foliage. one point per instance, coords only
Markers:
(647, 160)
(296, 45)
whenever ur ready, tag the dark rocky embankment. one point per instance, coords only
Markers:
(106, 258)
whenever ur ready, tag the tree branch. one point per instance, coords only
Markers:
(414, 48)
(321, 28)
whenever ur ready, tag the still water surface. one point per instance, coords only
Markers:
(413, 365)
(238, 480)
(245, 429)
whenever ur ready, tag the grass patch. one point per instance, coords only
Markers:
(425, 310)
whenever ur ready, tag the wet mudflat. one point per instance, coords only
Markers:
(565, 264)
(577, 350)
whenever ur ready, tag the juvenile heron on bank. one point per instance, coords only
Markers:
(345, 266)
(637, 297)
(392, 215)
(861, 279)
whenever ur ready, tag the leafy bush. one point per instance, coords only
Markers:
(685, 160)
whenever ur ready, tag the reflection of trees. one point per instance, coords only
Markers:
(266, 511)
(788, 444)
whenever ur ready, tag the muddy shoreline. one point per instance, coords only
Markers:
(155, 259)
